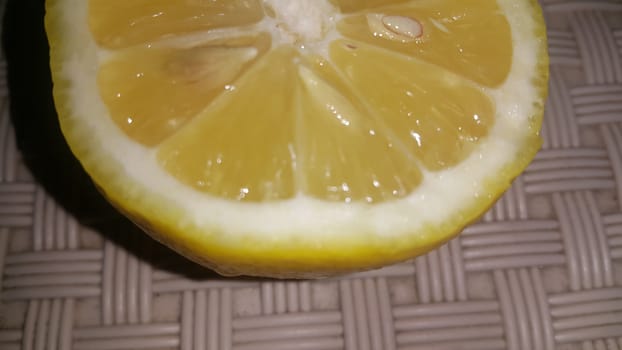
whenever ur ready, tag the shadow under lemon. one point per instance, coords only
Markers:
(46, 153)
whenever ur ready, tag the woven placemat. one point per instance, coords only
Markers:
(541, 271)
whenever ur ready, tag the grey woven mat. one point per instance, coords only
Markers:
(541, 271)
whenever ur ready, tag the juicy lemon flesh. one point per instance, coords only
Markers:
(152, 92)
(119, 24)
(470, 37)
(248, 118)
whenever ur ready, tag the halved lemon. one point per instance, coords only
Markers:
(300, 138)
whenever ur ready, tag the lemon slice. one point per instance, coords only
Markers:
(300, 138)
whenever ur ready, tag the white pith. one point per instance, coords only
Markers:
(437, 199)
(306, 20)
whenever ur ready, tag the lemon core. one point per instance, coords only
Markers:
(302, 22)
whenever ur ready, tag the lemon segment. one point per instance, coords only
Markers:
(118, 23)
(225, 152)
(438, 116)
(183, 81)
(470, 38)
(345, 154)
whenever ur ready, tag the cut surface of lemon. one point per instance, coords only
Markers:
(300, 138)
